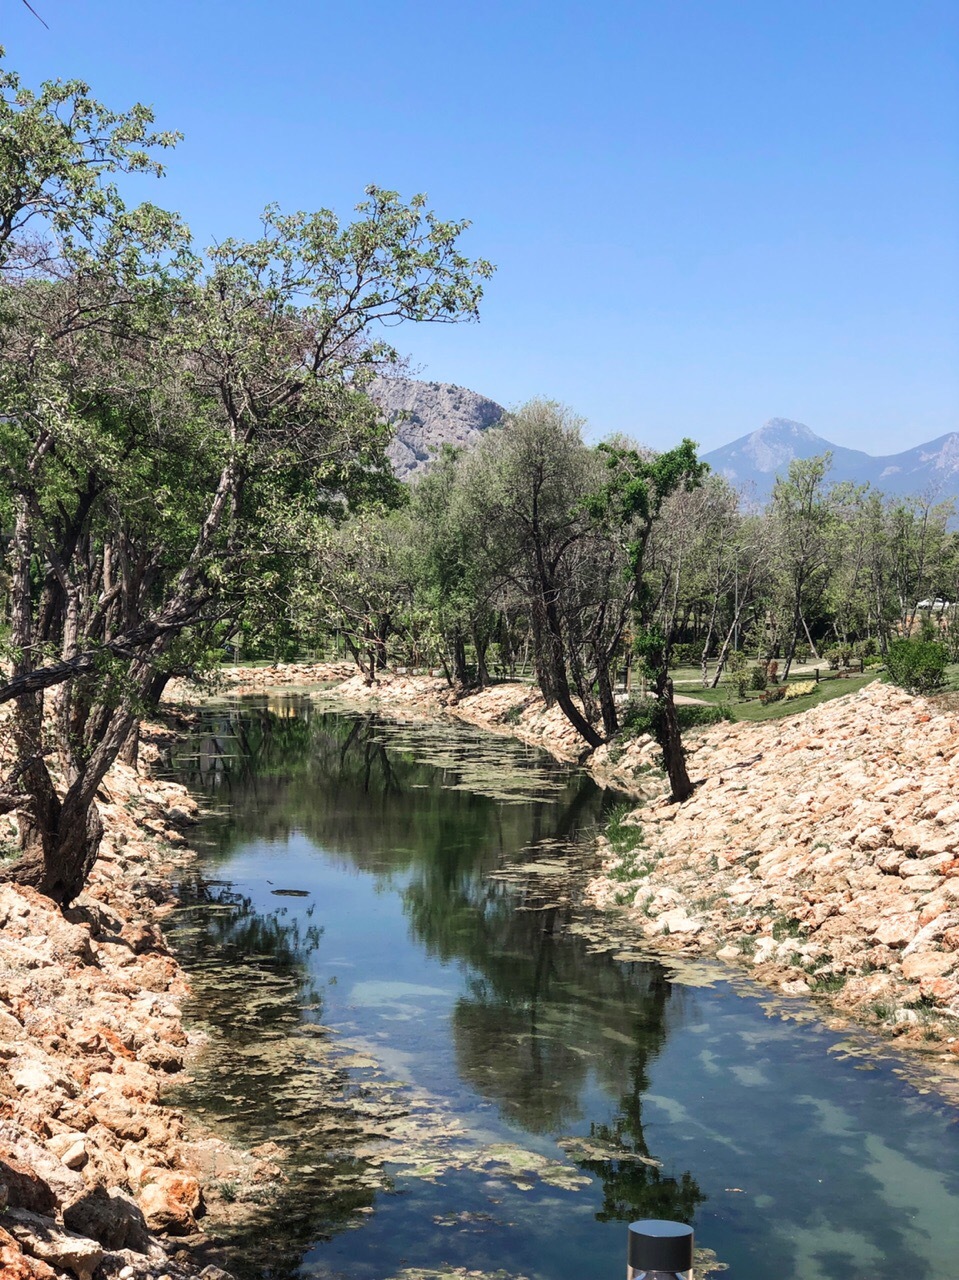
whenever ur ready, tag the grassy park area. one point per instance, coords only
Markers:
(688, 682)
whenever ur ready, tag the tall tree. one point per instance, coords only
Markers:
(170, 419)
(629, 504)
(527, 485)
(803, 520)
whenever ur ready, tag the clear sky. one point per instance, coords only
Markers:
(704, 213)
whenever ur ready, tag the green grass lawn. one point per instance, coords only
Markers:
(688, 680)
(752, 709)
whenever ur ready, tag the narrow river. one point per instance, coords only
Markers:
(468, 1077)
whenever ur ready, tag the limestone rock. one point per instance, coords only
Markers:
(427, 415)
(41, 1238)
(170, 1200)
(108, 1216)
(15, 1265)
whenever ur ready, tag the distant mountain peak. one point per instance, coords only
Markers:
(755, 460)
(786, 427)
(772, 447)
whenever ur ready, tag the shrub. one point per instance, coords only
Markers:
(839, 655)
(773, 695)
(758, 678)
(799, 690)
(688, 653)
(736, 673)
(695, 717)
(640, 715)
(918, 666)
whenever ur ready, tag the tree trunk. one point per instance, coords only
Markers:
(481, 644)
(607, 703)
(670, 740)
(383, 628)
(59, 865)
(556, 666)
(130, 751)
(460, 669)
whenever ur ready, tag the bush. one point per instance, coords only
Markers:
(736, 673)
(773, 695)
(696, 717)
(758, 678)
(688, 653)
(799, 690)
(640, 715)
(918, 666)
(839, 655)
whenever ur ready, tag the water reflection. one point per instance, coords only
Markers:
(355, 787)
(680, 1103)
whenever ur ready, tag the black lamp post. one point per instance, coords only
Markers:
(660, 1251)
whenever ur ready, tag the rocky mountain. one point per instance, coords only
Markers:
(428, 415)
(753, 462)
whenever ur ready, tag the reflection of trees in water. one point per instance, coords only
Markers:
(338, 780)
(542, 1017)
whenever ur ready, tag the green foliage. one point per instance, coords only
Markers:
(758, 678)
(59, 151)
(640, 717)
(624, 837)
(686, 654)
(917, 665)
(736, 673)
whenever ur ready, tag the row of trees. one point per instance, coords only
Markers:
(586, 559)
(176, 426)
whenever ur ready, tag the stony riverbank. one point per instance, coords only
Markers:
(822, 852)
(97, 1176)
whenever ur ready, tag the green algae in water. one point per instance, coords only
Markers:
(563, 1052)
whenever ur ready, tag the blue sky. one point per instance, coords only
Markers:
(704, 213)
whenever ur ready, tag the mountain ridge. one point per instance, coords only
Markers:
(427, 415)
(755, 460)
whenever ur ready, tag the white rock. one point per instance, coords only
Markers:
(677, 921)
(31, 1078)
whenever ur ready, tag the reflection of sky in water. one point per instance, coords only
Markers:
(802, 1166)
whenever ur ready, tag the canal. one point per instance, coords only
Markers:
(471, 1076)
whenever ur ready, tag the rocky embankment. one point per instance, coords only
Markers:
(278, 677)
(820, 850)
(97, 1177)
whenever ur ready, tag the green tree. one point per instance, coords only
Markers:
(525, 492)
(173, 424)
(629, 505)
(803, 520)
